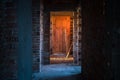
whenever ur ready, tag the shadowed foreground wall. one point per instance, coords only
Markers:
(24, 54)
(101, 34)
(113, 20)
(8, 40)
(96, 59)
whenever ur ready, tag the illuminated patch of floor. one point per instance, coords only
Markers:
(60, 58)
(59, 72)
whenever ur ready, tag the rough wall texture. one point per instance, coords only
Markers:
(46, 37)
(36, 34)
(96, 62)
(52, 6)
(40, 34)
(113, 29)
(8, 40)
(77, 36)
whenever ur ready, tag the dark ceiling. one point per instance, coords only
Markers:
(60, 1)
(60, 4)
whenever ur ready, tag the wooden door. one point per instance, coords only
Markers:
(60, 34)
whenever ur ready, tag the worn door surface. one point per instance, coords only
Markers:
(60, 34)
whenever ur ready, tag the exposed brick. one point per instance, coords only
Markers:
(35, 34)
(9, 41)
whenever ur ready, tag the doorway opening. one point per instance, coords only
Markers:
(60, 41)
(61, 37)
(65, 47)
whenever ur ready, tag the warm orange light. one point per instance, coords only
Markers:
(60, 33)
(59, 59)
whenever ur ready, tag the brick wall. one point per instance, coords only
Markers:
(8, 40)
(77, 35)
(35, 34)
(40, 35)
(46, 37)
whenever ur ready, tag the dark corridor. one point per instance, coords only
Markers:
(25, 26)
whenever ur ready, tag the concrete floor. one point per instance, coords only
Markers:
(59, 72)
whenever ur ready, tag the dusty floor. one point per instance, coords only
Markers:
(59, 72)
(58, 58)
